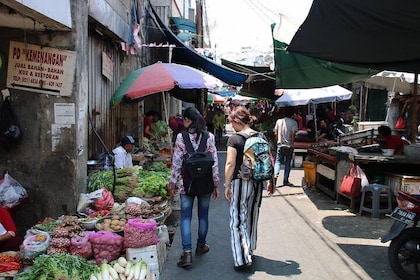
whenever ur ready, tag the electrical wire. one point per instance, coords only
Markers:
(108, 155)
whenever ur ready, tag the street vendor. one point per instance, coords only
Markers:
(389, 141)
(325, 132)
(122, 153)
(147, 124)
(159, 127)
(9, 241)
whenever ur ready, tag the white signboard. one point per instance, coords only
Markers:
(64, 113)
(40, 69)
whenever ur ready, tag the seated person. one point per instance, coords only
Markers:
(388, 141)
(122, 153)
(311, 129)
(9, 241)
(325, 131)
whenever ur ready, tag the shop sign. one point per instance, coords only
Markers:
(40, 69)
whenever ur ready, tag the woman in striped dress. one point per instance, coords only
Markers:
(244, 195)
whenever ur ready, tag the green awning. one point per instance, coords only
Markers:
(295, 71)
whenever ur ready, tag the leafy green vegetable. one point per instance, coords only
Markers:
(153, 183)
(158, 166)
(60, 266)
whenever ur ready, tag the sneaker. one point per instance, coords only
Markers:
(185, 259)
(202, 249)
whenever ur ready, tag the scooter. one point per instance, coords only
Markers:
(404, 250)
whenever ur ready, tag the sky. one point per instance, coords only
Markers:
(246, 23)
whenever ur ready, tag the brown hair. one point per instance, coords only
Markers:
(241, 113)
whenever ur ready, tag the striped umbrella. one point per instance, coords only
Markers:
(160, 77)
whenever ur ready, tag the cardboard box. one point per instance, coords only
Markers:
(153, 255)
(405, 183)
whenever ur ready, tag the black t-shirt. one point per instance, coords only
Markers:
(328, 132)
(237, 142)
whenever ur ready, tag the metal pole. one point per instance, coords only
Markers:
(413, 111)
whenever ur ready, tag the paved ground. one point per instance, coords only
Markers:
(303, 234)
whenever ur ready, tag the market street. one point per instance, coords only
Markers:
(302, 235)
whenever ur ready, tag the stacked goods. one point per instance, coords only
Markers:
(60, 241)
(140, 233)
(106, 246)
(126, 181)
(133, 181)
(143, 210)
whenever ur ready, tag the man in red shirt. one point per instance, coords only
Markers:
(9, 241)
(389, 141)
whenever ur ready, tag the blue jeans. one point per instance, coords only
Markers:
(286, 161)
(187, 203)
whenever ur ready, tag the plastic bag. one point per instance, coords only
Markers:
(10, 132)
(81, 246)
(35, 243)
(106, 245)
(361, 174)
(106, 202)
(400, 123)
(11, 192)
(140, 233)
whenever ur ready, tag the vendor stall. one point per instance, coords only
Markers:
(118, 231)
(401, 172)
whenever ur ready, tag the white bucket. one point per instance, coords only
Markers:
(298, 161)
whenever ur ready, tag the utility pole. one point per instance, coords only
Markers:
(199, 23)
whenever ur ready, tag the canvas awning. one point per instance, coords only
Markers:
(261, 80)
(296, 71)
(184, 54)
(380, 35)
(296, 97)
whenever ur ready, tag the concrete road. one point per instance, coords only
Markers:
(303, 234)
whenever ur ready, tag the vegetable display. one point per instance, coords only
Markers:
(60, 266)
(9, 263)
(122, 269)
(133, 181)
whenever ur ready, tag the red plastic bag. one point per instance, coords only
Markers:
(400, 123)
(106, 202)
(352, 183)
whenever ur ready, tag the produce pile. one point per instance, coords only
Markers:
(60, 266)
(134, 181)
(9, 263)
